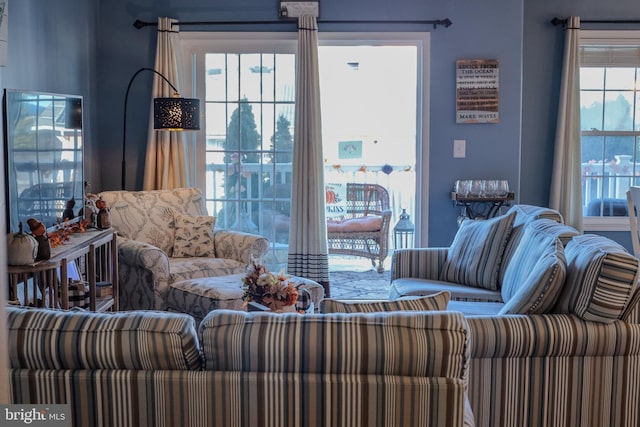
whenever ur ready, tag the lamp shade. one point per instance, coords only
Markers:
(176, 114)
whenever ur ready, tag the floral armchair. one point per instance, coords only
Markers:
(166, 236)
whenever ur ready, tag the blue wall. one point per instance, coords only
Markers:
(52, 49)
(491, 30)
(91, 48)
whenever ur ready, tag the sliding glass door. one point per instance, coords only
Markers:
(373, 132)
(369, 114)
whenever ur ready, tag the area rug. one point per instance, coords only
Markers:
(359, 284)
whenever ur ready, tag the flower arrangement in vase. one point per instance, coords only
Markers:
(274, 291)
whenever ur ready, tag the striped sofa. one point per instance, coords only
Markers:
(557, 343)
(149, 368)
(554, 370)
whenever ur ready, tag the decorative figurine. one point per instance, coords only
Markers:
(39, 231)
(68, 214)
(103, 221)
(90, 211)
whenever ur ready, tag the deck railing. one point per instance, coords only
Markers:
(604, 185)
(399, 180)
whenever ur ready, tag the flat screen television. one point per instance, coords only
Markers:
(44, 169)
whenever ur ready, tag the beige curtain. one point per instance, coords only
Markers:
(566, 182)
(165, 165)
(308, 254)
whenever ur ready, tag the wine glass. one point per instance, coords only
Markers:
(478, 187)
(503, 188)
(463, 187)
(492, 188)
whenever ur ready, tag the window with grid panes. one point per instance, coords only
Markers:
(250, 112)
(610, 124)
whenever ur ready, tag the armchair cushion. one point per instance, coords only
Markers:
(436, 302)
(415, 286)
(194, 236)
(475, 255)
(355, 225)
(196, 267)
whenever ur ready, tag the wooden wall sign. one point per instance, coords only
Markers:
(477, 91)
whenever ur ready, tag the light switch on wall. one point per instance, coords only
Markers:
(459, 148)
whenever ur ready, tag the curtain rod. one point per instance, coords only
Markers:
(444, 22)
(560, 21)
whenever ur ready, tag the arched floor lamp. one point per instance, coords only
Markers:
(170, 114)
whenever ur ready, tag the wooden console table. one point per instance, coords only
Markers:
(92, 255)
(476, 207)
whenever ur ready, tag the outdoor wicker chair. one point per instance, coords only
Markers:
(364, 229)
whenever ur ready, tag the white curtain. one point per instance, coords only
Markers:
(308, 253)
(566, 184)
(165, 165)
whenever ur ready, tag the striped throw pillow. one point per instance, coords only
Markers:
(537, 290)
(536, 270)
(543, 225)
(475, 255)
(436, 302)
(601, 279)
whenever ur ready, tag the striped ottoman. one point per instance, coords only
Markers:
(198, 297)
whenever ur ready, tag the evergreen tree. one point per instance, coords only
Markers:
(282, 142)
(242, 133)
(242, 145)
